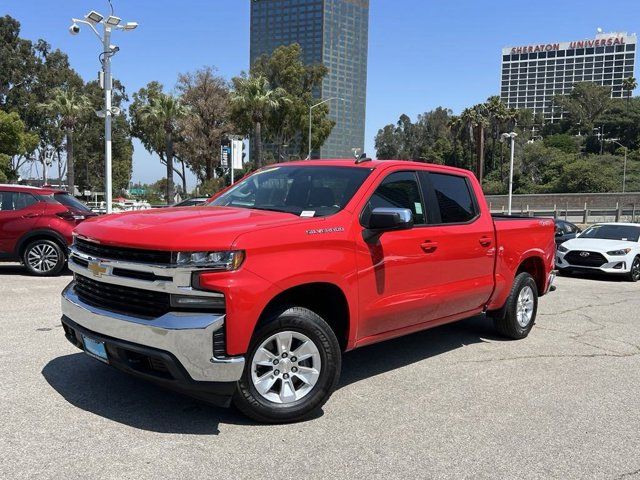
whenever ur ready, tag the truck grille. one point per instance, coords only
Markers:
(156, 257)
(126, 300)
(577, 257)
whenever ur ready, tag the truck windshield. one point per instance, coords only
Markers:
(317, 191)
(627, 233)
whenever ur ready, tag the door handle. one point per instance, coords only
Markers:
(429, 247)
(30, 215)
(485, 241)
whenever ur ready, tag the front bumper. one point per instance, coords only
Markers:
(613, 265)
(183, 341)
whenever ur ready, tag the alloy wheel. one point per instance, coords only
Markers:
(524, 307)
(285, 367)
(42, 257)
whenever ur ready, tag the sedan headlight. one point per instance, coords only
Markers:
(562, 249)
(225, 260)
(622, 251)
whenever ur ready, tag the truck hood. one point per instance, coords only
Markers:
(182, 228)
(598, 244)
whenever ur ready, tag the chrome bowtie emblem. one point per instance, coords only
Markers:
(584, 254)
(97, 269)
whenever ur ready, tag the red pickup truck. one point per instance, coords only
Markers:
(255, 296)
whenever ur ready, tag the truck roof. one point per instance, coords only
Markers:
(350, 162)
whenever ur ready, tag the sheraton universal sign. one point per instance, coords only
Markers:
(549, 47)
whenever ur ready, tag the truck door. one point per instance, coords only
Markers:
(395, 278)
(464, 260)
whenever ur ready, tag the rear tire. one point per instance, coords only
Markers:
(44, 258)
(634, 273)
(277, 386)
(517, 317)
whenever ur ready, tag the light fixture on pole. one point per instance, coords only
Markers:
(504, 137)
(310, 111)
(93, 19)
(624, 168)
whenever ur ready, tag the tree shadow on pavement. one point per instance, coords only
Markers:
(109, 393)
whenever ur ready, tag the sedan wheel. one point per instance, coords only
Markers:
(634, 274)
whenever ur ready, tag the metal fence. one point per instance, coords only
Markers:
(586, 215)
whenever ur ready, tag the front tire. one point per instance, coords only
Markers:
(634, 273)
(517, 317)
(293, 367)
(43, 258)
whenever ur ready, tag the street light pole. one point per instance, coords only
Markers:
(92, 19)
(511, 136)
(310, 111)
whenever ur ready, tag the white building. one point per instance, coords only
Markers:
(533, 74)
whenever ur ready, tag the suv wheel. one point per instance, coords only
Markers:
(292, 368)
(634, 273)
(517, 317)
(43, 258)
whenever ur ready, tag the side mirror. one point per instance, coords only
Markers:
(387, 219)
(559, 232)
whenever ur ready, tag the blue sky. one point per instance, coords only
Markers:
(422, 53)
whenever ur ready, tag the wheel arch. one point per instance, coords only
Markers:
(534, 266)
(40, 234)
(326, 299)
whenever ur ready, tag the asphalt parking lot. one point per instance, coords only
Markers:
(452, 402)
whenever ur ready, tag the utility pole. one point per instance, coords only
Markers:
(92, 19)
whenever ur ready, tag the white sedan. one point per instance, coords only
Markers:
(605, 247)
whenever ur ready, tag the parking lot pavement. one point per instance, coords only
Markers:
(452, 402)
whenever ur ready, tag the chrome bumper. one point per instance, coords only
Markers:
(188, 336)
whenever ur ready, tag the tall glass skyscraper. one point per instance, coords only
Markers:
(332, 32)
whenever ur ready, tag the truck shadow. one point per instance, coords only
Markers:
(109, 393)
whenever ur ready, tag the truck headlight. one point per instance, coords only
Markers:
(225, 260)
(622, 251)
(562, 249)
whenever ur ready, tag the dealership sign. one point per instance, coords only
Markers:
(548, 47)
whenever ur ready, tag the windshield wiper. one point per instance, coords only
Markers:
(272, 209)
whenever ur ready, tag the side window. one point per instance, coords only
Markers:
(455, 200)
(16, 200)
(399, 190)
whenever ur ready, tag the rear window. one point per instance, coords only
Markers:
(455, 202)
(71, 202)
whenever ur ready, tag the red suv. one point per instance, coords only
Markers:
(36, 225)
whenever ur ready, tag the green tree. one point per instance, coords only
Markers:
(207, 97)
(252, 101)
(166, 111)
(14, 140)
(287, 124)
(585, 105)
(67, 107)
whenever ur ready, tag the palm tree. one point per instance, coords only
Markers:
(629, 84)
(476, 118)
(67, 107)
(498, 114)
(253, 99)
(166, 111)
